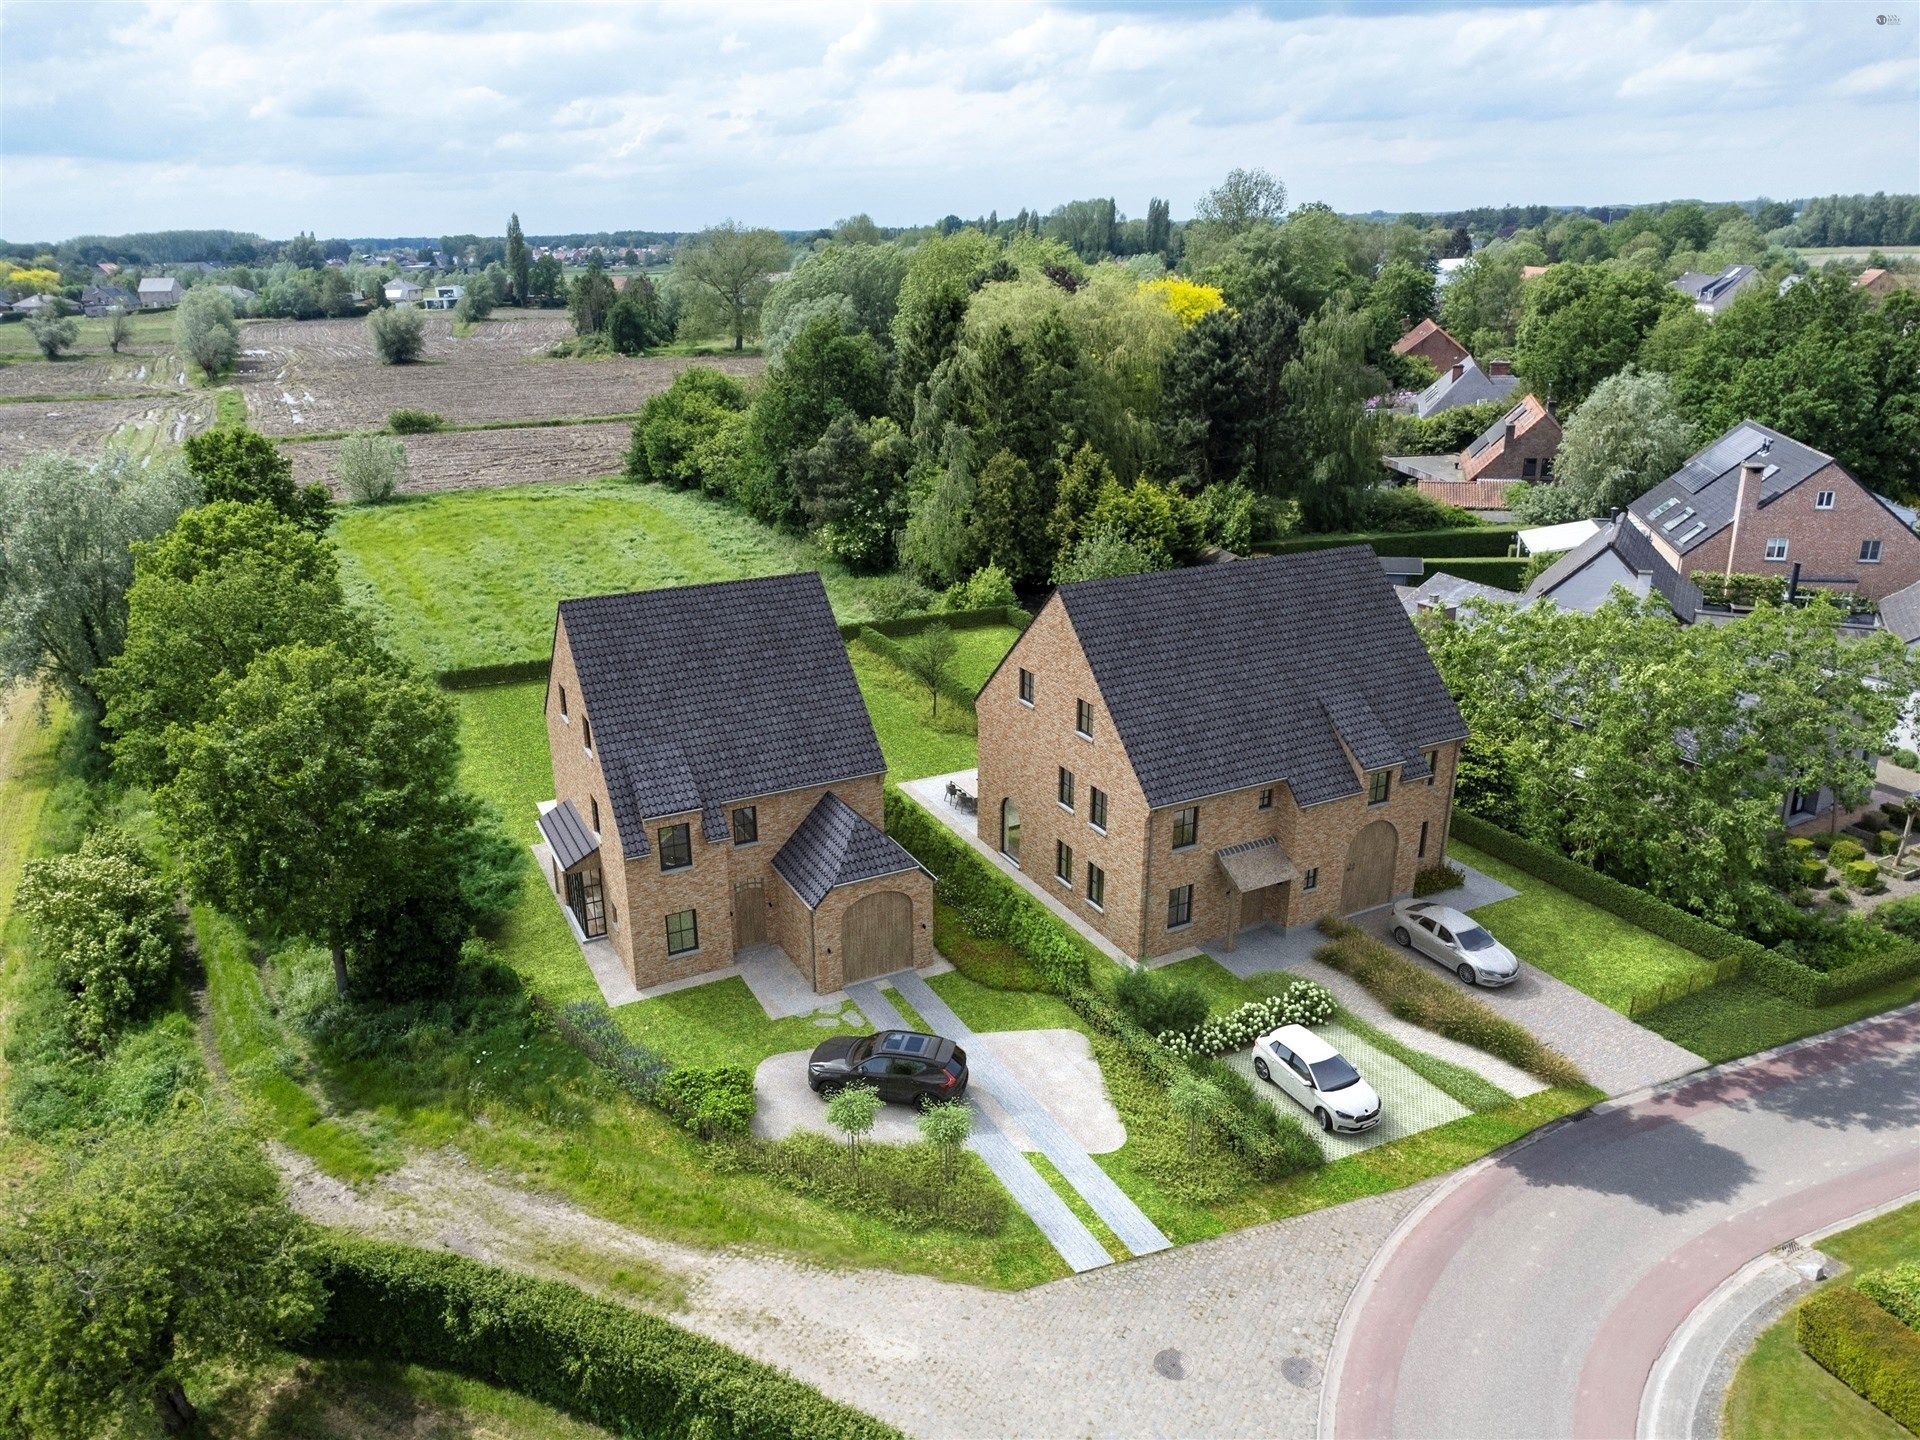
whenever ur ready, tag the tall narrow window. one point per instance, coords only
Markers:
(1433, 766)
(683, 932)
(586, 732)
(1186, 827)
(1096, 886)
(1266, 799)
(1096, 807)
(1063, 862)
(1379, 787)
(1083, 719)
(746, 824)
(676, 847)
(1422, 852)
(563, 702)
(1026, 687)
(1179, 906)
(593, 803)
(1311, 880)
(1066, 788)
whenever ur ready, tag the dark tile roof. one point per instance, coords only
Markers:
(705, 695)
(1715, 291)
(1228, 676)
(1471, 386)
(1900, 613)
(568, 834)
(1697, 501)
(837, 845)
(1637, 553)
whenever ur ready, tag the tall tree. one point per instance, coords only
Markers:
(1583, 323)
(1626, 437)
(203, 327)
(517, 266)
(727, 270)
(1159, 228)
(1336, 444)
(232, 462)
(1223, 406)
(592, 298)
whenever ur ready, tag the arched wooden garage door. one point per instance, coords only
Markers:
(877, 935)
(1370, 865)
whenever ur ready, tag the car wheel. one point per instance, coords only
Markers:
(1465, 972)
(1260, 1069)
(1402, 938)
(1326, 1120)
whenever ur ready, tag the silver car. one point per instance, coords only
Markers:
(1456, 940)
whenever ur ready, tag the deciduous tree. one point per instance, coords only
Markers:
(399, 334)
(1625, 438)
(53, 333)
(727, 270)
(929, 659)
(203, 327)
(232, 462)
(517, 266)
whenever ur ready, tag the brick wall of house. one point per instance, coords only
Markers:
(1439, 350)
(577, 777)
(1826, 543)
(830, 918)
(1539, 442)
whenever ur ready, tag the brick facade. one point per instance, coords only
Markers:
(1023, 748)
(1432, 344)
(1524, 451)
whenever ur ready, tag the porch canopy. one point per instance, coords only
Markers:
(1256, 864)
(568, 834)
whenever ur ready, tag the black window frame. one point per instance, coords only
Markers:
(1063, 793)
(690, 932)
(1063, 863)
(1186, 822)
(1179, 907)
(593, 804)
(1433, 766)
(1421, 852)
(1266, 798)
(751, 815)
(1311, 879)
(1096, 886)
(1083, 719)
(586, 734)
(675, 840)
(1379, 787)
(1025, 691)
(1097, 808)
(563, 701)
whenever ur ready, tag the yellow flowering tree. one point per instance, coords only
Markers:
(31, 280)
(1185, 299)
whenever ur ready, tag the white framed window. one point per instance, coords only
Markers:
(1824, 500)
(1869, 552)
(1776, 549)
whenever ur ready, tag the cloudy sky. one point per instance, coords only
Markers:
(398, 119)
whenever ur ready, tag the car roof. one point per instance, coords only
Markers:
(912, 1042)
(1446, 915)
(1304, 1043)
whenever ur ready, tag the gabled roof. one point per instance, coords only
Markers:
(1224, 677)
(1636, 552)
(1697, 501)
(568, 834)
(1523, 417)
(1420, 333)
(837, 845)
(1900, 613)
(1469, 387)
(154, 283)
(702, 696)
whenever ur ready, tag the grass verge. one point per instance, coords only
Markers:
(1741, 1016)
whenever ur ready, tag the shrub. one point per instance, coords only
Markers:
(1414, 993)
(1906, 759)
(1158, 1004)
(988, 588)
(1813, 872)
(679, 425)
(1844, 851)
(1438, 877)
(902, 1185)
(1866, 1348)
(203, 328)
(897, 595)
(1823, 842)
(1885, 842)
(371, 467)
(1301, 1002)
(1800, 895)
(712, 1101)
(1897, 1291)
(1862, 874)
(1492, 541)
(53, 333)
(399, 335)
(1839, 896)
(415, 422)
(1403, 508)
(622, 1369)
(637, 1069)
(1800, 845)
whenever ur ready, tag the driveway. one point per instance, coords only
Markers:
(1533, 1292)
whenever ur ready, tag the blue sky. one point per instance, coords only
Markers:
(393, 119)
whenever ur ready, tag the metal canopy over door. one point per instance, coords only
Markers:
(749, 914)
(877, 935)
(1370, 866)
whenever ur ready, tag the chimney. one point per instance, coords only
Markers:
(1513, 431)
(1793, 584)
(1499, 367)
(1751, 474)
(1458, 367)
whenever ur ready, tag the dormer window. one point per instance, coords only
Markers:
(1379, 787)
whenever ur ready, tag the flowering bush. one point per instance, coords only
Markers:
(1303, 1002)
(1186, 300)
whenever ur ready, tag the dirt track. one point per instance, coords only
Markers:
(477, 458)
(84, 427)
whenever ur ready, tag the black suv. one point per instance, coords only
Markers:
(902, 1065)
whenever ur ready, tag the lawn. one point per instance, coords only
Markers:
(471, 577)
(980, 652)
(914, 741)
(1778, 1390)
(1742, 1016)
(1591, 949)
(150, 327)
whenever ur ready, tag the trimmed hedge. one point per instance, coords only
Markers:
(1485, 540)
(478, 677)
(1865, 1348)
(1897, 1291)
(885, 646)
(631, 1372)
(1501, 574)
(902, 625)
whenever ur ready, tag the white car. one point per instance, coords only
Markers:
(1318, 1077)
(1456, 941)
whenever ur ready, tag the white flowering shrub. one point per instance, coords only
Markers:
(1303, 1002)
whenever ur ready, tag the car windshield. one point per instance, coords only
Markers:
(861, 1050)
(1476, 939)
(1333, 1073)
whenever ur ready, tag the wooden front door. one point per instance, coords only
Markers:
(877, 935)
(1370, 866)
(749, 914)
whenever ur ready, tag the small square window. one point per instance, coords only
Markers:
(1776, 549)
(1066, 788)
(1379, 787)
(1097, 807)
(1869, 552)
(1186, 827)
(1096, 886)
(1266, 799)
(1824, 500)
(746, 824)
(593, 804)
(1026, 687)
(676, 847)
(1311, 880)
(1529, 468)
(1063, 862)
(1421, 853)
(1083, 719)
(586, 733)
(1179, 906)
(683, 932)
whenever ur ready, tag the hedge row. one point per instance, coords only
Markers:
(1897, 1291)
(953, 619)
(1487, 540)
(1799, 983)
(951, 690)
(633, 1373)
(1501, 574)
(1865, 1348)
(478, 677)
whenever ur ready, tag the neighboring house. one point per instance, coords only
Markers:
(402, 292)
(1713, 293)
(1520, 445)
(1619, 553)
(1556, 539)
(37, 305)
(719, 788)
(1878, 282)
(1532, 272)
(1402, 569)
(238, 294)
(1182, 755)
(1465, 383)
(158, 292)
(1757, 502)
(1431, 343)
(1444, 594)
(99, 299)
(442, 297)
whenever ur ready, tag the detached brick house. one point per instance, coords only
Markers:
(719, 787)
(1431, 343)
(1520, 445)
(1183, 755)
(1757, 502)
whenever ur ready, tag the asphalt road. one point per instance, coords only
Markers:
(1532, 1297)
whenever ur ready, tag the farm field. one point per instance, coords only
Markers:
(90, 427)
(321, 375)
(471, 577)
(473, 459)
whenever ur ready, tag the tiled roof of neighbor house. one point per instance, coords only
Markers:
(1405, 344)
(568, 834)
(1871, 276)
(1229, 676)
(1469, 387)
(1523, 417)
(1447, 593)
(154, 283)
(1444, 469)
(1637, 553)
(705, 695)
(1900, 613)
(1715, 291)
(837, 845)
(1697, 501)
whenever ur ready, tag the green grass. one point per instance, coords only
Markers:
(471, 577)
(980, 651)
(230, 407)
(1076, 1202)
(150, 327)
(1456, 1081)
(914, 742)
(1609, 958)
(1741, 1016)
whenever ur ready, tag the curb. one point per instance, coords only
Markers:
(1343, 1331)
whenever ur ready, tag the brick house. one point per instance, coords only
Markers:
(1431, 343)
(1757, 502)
(719, 787)
(1184, 755)
(1520, 445)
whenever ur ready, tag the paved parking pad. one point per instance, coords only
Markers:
(1408, 1104)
